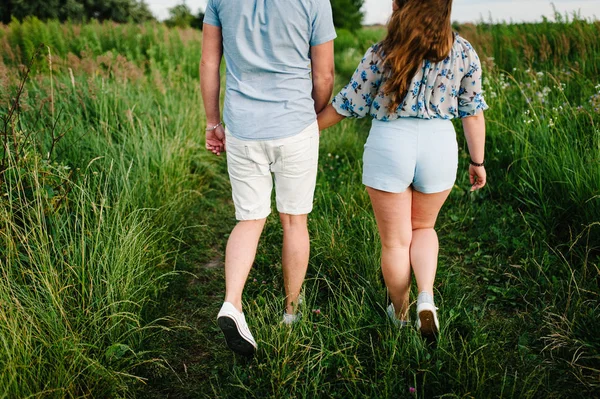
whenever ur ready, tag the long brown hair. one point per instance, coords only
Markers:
(418, 30)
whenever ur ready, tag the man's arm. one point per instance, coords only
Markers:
(210, 85)
(322, 74)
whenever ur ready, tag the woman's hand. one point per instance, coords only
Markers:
(477, 176)
(328, 117)
(474, 127)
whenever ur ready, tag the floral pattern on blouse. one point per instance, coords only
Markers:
(447, 89)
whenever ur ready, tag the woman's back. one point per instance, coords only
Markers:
(447, 89)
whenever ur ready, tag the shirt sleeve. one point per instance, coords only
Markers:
(470, 95)
(322, 23)
(356, 98)
(211, 16)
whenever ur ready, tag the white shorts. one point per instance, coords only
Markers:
(292, 161)
(411, 151)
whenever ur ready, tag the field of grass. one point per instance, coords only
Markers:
(113, 221)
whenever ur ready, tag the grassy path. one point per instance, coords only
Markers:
(491, 343)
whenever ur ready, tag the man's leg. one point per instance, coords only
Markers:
(295, 253)
(295, 169)
(239, 257)
(251, 185)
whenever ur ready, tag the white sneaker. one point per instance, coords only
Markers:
(391, 312)
(237, 335)
(290, 319)
(427, 315)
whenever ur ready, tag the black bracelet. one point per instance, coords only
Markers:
(475, 163)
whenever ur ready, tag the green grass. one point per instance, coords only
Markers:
(114, 220)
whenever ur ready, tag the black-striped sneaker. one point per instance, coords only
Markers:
(237, 335)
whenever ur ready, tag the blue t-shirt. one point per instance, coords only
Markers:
(266, 44)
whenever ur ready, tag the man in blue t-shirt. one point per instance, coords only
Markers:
(279, 58)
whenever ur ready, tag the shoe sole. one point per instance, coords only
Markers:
(235, 341)
(428, 327)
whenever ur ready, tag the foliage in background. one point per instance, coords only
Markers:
(76, 10)
(119, 49)
(347, 14)
(566, 43)
(181, 16)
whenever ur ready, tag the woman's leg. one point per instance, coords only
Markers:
(424, 246)
(393, 214)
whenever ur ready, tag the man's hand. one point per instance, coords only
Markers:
(215, 140)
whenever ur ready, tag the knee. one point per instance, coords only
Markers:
(428, 230)
(293, 221)
(397, 243)
(254, 223)
(422, 224)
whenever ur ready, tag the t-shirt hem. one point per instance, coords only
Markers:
(212, 22)
(276, 137)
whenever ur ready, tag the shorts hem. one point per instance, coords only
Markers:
(252, 216)
(434, 189)
(301, 211)
(382, 185)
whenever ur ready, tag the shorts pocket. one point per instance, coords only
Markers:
(238, 153)
(300, 156)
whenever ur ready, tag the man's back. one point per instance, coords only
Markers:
(266, 46)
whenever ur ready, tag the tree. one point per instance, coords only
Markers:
(77, 10)
(347, 14)
(181, 16)
(198, 20)
(117, 10)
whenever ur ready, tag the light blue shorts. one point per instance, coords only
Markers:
(411, 151)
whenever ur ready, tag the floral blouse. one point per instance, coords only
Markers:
(447, 89)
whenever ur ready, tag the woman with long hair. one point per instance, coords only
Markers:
(412, 84)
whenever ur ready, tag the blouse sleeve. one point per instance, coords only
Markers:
(470, 95)
(356, 98)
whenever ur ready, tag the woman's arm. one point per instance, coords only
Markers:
(328, 117)
(474, 127)
(356, 98)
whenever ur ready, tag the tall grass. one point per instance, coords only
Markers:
(562, 43)
(98, 174)
(149, 46)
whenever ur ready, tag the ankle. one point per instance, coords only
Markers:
(236, 303)
(425, 297)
